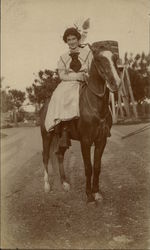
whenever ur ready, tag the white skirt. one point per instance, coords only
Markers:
(64, 104)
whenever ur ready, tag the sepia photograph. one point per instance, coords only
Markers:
(75, 124)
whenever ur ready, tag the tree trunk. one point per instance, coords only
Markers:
(37, 107)
(15, 118)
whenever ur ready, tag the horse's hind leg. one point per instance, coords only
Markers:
(60, 156)
(46, 149)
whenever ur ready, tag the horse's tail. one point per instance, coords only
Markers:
(43, 112)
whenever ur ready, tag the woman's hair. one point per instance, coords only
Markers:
(71, 31)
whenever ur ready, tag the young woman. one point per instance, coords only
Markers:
(73, 68)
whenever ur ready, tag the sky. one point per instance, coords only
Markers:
(32, 30)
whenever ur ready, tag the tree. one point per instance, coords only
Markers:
(17, 97)
(138, 84)
(6, 101)
(138, 68)
(43, 86)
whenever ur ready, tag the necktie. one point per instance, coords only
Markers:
(75, 64)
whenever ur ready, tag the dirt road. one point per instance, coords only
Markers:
(32, 219)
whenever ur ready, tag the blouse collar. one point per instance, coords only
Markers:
(83, 54)
(76, 50)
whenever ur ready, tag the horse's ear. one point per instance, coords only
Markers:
(93, 49)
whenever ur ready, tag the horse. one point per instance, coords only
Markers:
(91, 128)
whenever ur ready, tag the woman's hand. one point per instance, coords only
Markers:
(82, 76)
(86, 77)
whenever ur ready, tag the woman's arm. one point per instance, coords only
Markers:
(71, 76)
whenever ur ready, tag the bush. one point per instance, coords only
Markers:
(30, 116)
(20, 116)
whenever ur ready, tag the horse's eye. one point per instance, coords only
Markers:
(114, 58)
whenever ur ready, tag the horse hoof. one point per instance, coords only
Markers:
(66, 186)
(90, 199)
(46, 187)
(98, 197)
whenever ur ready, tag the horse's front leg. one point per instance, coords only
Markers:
(99, 149)
(86, 153)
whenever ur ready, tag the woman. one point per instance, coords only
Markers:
(73, 68)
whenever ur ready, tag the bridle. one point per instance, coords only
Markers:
(104, 119)
(100, 74)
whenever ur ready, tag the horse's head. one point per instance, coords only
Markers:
(105, 63)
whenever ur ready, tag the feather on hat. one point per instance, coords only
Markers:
(83, 29)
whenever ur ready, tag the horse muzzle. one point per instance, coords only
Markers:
(114, 86)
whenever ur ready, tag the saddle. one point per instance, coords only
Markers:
(64, 130)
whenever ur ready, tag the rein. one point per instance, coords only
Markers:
(98, 95)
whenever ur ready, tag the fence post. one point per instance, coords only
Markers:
(131, 93)
(114, 117)
(119, 107)
(124, 95)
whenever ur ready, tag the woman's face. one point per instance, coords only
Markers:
(72, 42)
